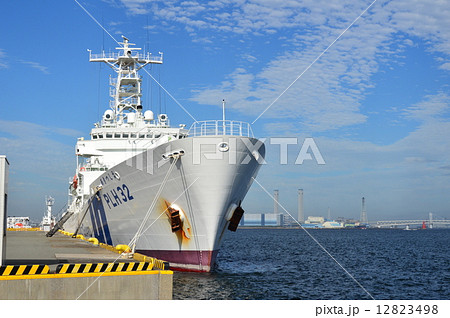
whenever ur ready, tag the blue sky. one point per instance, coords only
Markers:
(376, 102)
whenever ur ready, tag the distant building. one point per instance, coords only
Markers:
(332, 225)
(285, 220)
(319, 222)
(262, 219)
(315, 220)
(271, 219)
(251, 219)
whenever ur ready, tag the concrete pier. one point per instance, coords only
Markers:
(30, 248)
(33, 247)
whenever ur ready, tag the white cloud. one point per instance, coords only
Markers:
(340, 78)
(34, 147)
(421, 18)
(412, 172)
(395, 179)
(39, 165)
(136, 6)
(238, 16)
(327, 96)
(330, 94)
(36, 65)
(249, 58)
(3, 63)
(433, 107)
(445, 66)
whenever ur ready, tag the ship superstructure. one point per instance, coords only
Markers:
(125, 130)
(168, 191)
(48, 220)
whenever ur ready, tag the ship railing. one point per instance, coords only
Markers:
(135, 55)
(220, 128)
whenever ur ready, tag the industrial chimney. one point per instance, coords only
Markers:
(275, 202)
(301, 216)
(363, 212)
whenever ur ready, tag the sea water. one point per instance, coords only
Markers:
(361, 264)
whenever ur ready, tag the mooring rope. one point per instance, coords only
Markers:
(317, 242)
(152, 206)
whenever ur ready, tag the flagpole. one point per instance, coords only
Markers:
(223, 115)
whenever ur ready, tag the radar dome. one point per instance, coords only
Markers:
(148, 115)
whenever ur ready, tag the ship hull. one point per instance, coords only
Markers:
(205, 185)
(189, 261)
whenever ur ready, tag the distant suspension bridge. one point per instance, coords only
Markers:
(430, 222)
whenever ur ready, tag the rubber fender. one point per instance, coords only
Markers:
(123, 248)
(235, 219)
(93, 240)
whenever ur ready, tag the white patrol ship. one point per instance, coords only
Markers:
(167, 192)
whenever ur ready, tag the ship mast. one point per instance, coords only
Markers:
(126, 87)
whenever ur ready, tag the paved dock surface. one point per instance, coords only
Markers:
(33, 247)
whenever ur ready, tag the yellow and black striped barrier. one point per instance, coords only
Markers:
(123, 249)
(103, 267)
(24, 270)
(157, 263)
